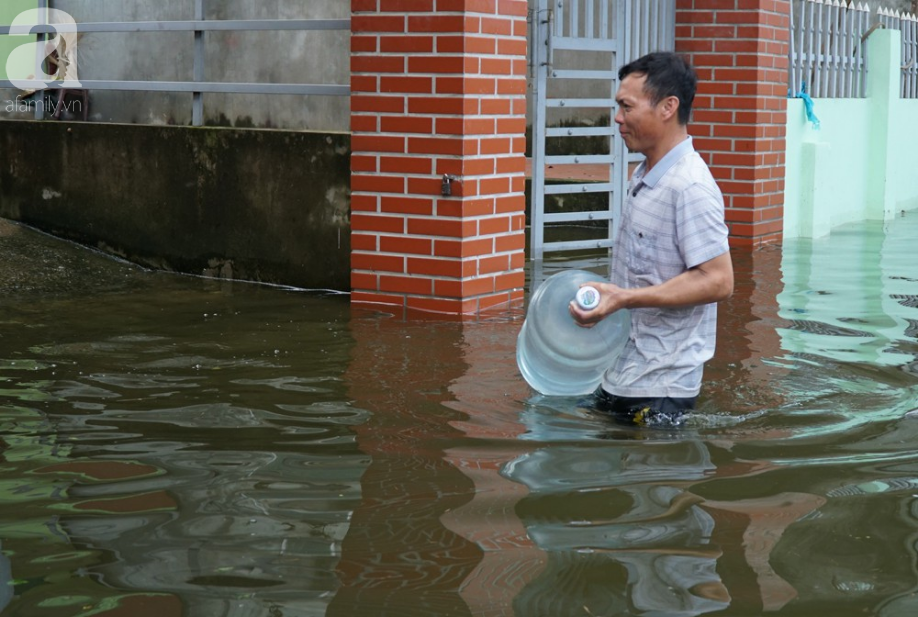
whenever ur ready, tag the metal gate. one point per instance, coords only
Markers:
(579, 164)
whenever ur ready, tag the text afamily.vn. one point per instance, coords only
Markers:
(42, 105)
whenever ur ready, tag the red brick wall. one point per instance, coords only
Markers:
(438, 87)
(739, 48)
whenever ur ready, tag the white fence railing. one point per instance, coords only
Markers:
(827, 47)
(907, 24)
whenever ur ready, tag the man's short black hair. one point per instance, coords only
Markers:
(668, 74)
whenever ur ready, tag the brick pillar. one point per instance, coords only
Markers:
(438, 88)
(739, 48)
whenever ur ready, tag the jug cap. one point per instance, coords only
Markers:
(587, 297)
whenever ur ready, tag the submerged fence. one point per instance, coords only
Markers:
(828, 50)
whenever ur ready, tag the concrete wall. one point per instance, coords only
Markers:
(276, 57)
(269, 206)
(859, 165)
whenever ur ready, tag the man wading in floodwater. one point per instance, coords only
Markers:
(671, 261)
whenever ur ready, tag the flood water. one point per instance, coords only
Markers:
(176, 446)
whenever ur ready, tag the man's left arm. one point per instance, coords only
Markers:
(710, 281)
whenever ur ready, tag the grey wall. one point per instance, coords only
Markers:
(275, 57)
(269, 206)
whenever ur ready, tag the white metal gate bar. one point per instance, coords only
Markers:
(909, 28)
(907, 24)
(653, 24)
(910, 36)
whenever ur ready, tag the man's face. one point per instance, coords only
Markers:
(639, 120)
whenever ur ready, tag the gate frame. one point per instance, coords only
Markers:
(547, 27)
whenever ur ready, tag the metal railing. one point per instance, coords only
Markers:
(828, 50)
(907, 24)
(652, 27)
(198, 87)
(650, 24)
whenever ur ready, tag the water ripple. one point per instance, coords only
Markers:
(130, 381)
(910, 301)
(820, 327)
(290, 383)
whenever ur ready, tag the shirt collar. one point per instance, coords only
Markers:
(669, 159)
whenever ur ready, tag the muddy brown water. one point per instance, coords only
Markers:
(172, 445)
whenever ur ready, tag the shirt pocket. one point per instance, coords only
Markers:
(641, 252)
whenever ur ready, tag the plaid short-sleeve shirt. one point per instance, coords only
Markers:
(673, 220)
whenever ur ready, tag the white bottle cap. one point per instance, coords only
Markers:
(587, 297)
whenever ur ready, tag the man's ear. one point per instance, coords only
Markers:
(670, 107)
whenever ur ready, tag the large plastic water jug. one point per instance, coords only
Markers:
(556, 356)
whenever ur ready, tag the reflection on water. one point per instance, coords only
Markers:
(180, 446)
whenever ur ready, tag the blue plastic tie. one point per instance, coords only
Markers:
(808, 104)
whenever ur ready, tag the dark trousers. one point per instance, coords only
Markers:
(665, 412)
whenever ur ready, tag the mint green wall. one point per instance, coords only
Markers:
(903, 160)
(860, 164)
(825, 183)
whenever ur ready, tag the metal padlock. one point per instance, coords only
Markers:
(447, 188)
